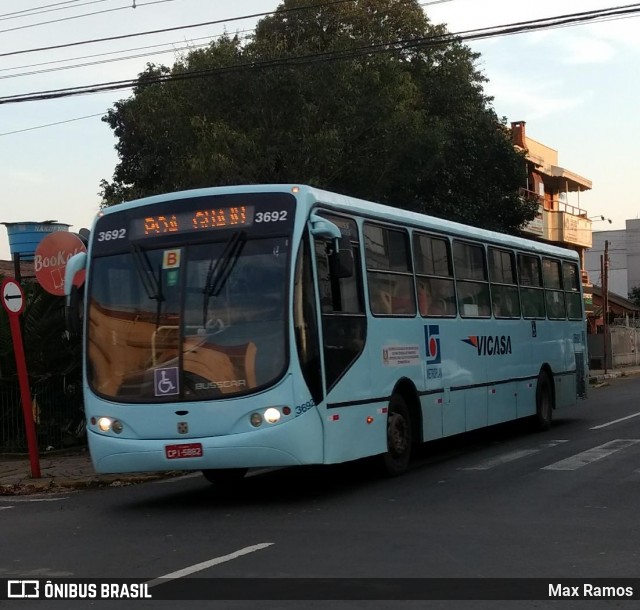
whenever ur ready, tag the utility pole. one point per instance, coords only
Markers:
(605, 302)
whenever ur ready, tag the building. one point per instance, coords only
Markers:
(8, 269)
(624, 257)
(560, 219)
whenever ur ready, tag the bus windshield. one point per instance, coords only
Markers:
(200, 321)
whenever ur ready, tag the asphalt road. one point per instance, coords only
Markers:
(501, 503)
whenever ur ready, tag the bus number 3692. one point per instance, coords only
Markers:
(276, 216)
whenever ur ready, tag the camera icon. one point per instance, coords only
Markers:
(21, 589)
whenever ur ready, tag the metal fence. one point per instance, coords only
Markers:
(57, 411)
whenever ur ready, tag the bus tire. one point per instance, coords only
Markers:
(399, 437)
(544, 402)
(225, 477)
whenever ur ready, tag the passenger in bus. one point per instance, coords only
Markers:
(430, 304)
(381, 302)
(424, 299)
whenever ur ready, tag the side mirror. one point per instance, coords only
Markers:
(323, 228)
(341, 261)
(72, 294)
(72, 312)
(340, 253)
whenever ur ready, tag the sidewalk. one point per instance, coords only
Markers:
(61, 471)
(599, 376)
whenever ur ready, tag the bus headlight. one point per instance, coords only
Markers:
(107, 424)
(104, 423)
(272, 415)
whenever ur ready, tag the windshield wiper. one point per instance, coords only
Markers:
(150, 282)
(218, 273)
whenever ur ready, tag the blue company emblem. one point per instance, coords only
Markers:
(165, 381)
(432, 342)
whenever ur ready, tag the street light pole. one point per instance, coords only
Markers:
(605, 302)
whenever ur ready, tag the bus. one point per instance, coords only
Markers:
(240, 327)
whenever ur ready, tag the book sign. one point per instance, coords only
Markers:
(51, 258)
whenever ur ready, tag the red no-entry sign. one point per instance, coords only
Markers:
(13, 302)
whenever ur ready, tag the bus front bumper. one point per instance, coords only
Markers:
(299, 442)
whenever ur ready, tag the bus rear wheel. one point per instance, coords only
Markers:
(399, 437)
(225, 477)
(544, 402)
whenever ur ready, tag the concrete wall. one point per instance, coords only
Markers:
(623, 348)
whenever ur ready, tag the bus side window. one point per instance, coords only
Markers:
(471, 280)
(434, 275)
(531, 292)
(572, 291)
(554, 294)
(504, 287)
(389, 272)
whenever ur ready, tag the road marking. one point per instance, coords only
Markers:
(510, 457)
(592, 455)
(24, 499)
(208, 564)
(615, 421)
(6, 507)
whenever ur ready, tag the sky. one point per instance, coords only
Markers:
(575, 87)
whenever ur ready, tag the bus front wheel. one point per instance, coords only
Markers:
(225, 477)
(544, 402)
(399, 437)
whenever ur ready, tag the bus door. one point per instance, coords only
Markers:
(343, 325)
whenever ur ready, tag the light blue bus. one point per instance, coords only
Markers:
(278, 325)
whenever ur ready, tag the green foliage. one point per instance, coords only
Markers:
(410, 126)
(49, 351)
(634, 295)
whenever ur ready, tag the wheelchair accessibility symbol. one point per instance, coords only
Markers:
(166, 381)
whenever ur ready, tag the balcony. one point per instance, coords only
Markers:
(566, 225)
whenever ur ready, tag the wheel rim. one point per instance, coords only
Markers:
(398, 434)
(545, 404)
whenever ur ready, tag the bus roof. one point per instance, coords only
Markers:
(312, 196)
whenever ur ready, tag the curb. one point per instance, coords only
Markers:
(58, 484)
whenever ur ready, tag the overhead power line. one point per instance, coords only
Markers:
(36, 8)
(169, 47)
(79, 118)
(164, 30)
(108, 10)
(39, 10)
(398, 45)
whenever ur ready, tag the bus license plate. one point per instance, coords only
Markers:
(189, 450)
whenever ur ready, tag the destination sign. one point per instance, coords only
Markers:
(196, 220)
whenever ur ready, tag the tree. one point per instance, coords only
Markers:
(349, 96)
(634, 295)
(49, 350)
